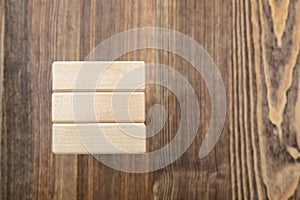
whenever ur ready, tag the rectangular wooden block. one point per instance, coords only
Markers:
(98, 107)
(99, 138)
(98, 76)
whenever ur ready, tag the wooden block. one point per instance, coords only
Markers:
(98, 107)
(99, 138)
(98, 76)
(85, 93)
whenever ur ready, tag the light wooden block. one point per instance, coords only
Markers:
(98, 76)
(99, 138)
(98, 107)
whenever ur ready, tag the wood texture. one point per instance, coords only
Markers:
(255, 44)
(2, 26)
(267, 65)
(101, 138)
(98, 76)
(98, 107)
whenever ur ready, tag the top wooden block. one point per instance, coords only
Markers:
(98, 76)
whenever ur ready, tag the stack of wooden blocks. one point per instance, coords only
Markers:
(85, 100)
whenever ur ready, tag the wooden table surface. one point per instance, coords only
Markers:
(255, 44)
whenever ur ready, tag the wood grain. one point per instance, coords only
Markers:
(98, 107)
(98, 76)
(2, 25)
(254, 43)
(267, 40)
(99, 138)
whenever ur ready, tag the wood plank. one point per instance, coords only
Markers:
(265, 97)
(209, 23)
(99, 138)
(2, 26)
(17, 154)
(107, 107)
(98, 76)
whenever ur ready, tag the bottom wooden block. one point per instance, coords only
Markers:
(99, 138)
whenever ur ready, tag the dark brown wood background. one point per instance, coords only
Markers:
(255, 44)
